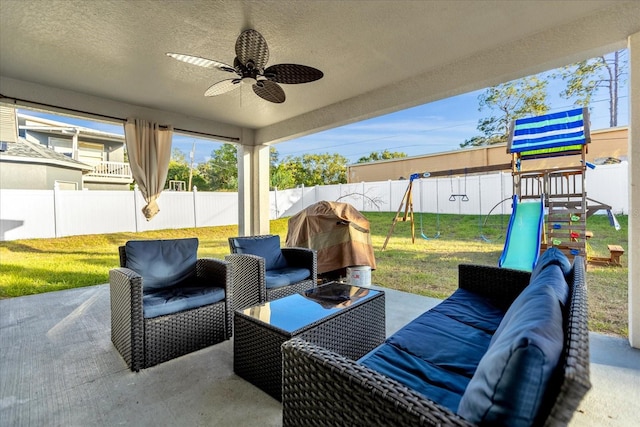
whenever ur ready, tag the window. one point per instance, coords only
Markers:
(61, 145)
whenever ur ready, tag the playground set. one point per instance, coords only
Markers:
(561, 193)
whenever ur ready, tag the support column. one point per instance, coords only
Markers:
(74, 145)
(253, 186)
(634, 190)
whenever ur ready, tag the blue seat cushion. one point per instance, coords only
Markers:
(159, 302)
(437, 353)
(444, 342)
(285, 276)
(265, 247)
(472, 309)
(432, 381)
(162, 263)
(508, 387)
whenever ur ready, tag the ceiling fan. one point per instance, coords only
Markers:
(252, 55)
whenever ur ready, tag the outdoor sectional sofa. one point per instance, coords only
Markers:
(507, 348)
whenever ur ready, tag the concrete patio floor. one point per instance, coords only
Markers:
(58, 367)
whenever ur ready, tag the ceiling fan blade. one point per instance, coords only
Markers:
(292, 73)
(251, 46)
(201, 62)
(223, 86)
(269, 91)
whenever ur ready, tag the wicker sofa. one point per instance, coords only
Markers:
(441, 376)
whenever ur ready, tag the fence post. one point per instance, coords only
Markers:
(275, 201)
(135, 206)
(195, 207)
(56, 189)
(480, 196)
(420, 196)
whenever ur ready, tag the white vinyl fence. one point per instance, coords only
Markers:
(26, 214)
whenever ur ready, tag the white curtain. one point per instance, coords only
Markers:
(149, 150)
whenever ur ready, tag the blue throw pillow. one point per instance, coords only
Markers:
(162, 263)
(510, 382)
(265, 247)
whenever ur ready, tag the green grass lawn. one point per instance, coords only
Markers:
(426, 267)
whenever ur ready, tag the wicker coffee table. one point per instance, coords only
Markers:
(346, 319)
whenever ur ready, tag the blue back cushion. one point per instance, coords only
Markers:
(265, 247)
(552, 256)
(162, 263)
(552, 278)
(511, 379)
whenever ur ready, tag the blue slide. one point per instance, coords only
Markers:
(522, 244)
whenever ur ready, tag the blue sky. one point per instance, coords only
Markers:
(435, 127)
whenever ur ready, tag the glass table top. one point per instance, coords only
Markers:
(299, 310)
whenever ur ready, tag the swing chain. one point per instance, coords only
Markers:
(463, 196)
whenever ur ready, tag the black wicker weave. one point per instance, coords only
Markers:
(352, 332)
(321, 387)
(249, 275)
(147, 342)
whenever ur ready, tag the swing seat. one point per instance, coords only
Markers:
(425, 237)
(463, 197)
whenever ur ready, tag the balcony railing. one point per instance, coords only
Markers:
(118, 170)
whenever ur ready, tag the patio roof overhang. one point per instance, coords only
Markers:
(107, 60)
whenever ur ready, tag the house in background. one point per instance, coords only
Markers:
(102, 151)
(38, 154)
(26, 165)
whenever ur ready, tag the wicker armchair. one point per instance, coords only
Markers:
(256, 259)
(145, 336)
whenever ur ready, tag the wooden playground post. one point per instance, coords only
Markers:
(407, 202)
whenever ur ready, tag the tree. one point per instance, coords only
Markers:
(324, 169)
(511, 100)
(179, 171)
(381, 155)
(585, 79)
(178, 168)
(316, 169)
(280, 176)
(221, 171)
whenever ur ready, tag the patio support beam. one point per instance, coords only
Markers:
(634, 190)
(253, 186)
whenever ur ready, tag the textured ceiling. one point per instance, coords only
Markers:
(108, 57)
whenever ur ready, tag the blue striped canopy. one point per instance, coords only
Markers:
(550, 134)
